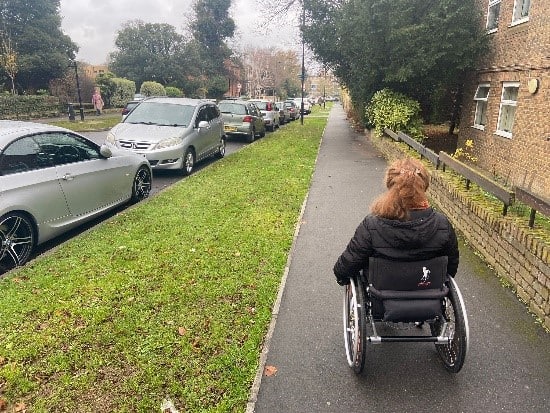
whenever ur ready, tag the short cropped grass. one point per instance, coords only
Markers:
(169, 299)
(91, 122)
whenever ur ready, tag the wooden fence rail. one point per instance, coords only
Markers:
(507, 196)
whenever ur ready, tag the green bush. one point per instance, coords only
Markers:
(150, 88)
(124, 91)
(28, 106)
(395, 111)
(173, 92)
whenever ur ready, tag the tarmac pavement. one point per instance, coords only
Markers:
(507, 368)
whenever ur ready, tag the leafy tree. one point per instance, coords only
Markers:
(106, 86)
(211, 27)
(43, 51)
(8, 59)
(147, 51)
(421, 48)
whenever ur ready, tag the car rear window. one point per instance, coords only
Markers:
(235, 108)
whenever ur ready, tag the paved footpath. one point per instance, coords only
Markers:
(507, 368)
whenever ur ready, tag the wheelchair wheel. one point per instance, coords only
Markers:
(453, 354)
(355, 330)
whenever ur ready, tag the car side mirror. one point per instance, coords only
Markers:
(203, 124)
(105, 151)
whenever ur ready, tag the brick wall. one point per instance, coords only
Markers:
(514, 253)
(519, 53)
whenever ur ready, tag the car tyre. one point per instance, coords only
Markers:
(141, 188)
(17, 239)
(188, 162)
(221, 148)
(250, 138)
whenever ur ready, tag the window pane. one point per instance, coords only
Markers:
(507, 118)
(481, 113)
(521, 9)
(20, 156)
(492, 18)
(510, 93)
(482, 92)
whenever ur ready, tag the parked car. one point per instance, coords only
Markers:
(307, 105)
(292, 109)
(129, 106)
(284, 112)
(52, 180)
(270, 113)
(242, 118)
(172, 133)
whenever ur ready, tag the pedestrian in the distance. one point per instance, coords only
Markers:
(97, 101)
(401, 226)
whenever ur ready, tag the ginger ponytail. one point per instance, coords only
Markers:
(407, 181)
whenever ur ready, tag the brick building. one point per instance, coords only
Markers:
(92, 71)
(506, 107)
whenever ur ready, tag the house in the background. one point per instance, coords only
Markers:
(92, 71)
(506, 107)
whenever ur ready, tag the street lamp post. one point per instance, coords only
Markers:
(78, 89)
(303, 64)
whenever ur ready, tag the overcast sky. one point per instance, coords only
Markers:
(93, 24)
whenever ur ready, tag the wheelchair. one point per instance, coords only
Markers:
(407, 295)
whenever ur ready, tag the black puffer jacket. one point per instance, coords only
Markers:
(426, 235)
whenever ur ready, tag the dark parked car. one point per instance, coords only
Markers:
(129, 106)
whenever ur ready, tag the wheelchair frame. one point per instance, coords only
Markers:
(450, 333)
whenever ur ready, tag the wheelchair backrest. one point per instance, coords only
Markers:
(407, 275)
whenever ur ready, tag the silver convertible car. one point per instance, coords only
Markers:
(52, 180)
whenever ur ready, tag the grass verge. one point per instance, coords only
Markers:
(169, 299)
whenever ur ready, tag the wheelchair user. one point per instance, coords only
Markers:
(401, 226)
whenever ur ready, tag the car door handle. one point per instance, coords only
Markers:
(68, 177)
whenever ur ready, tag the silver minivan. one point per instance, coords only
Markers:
(172, 133)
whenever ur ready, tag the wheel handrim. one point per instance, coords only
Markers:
(17, 239)
(351, 324)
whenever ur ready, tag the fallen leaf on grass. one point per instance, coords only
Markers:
(270, 371)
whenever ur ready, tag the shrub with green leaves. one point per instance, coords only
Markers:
(151, 88)
(395, 111)
(173, 92)
(124, 91)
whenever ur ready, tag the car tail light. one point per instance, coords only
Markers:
(247, 118)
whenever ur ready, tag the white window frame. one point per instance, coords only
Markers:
(481, 104)
(492, 3)
(505, 104)
(518, 7)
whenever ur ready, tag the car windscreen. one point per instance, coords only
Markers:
(235, 108)
(161, 113)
